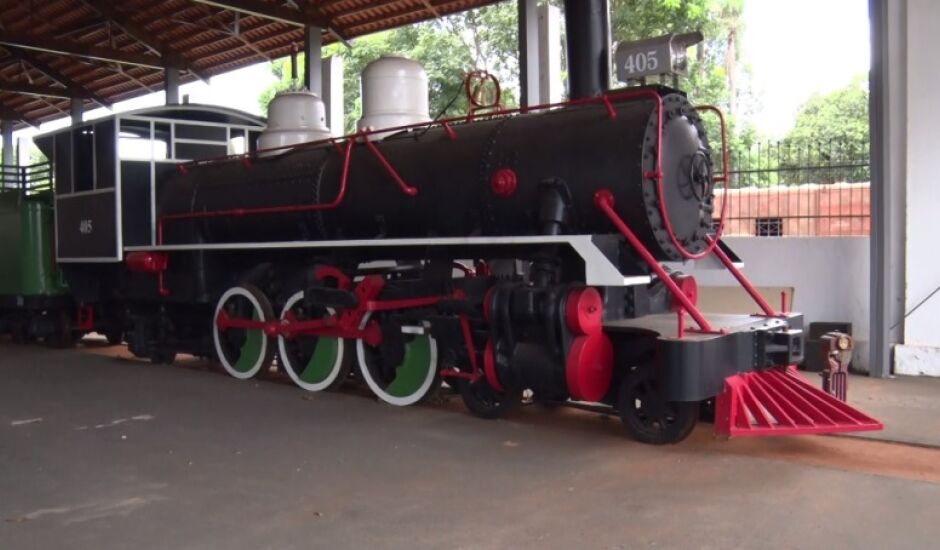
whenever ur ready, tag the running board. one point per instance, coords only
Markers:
(779, 401)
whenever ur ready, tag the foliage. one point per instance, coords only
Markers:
(841, 115)
(447, 48)
(829, 143)
(485, 38)
(718, 20)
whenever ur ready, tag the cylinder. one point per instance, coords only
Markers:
(587, 28)
(294, 117)
(394, 93)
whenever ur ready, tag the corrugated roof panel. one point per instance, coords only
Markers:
(210, 39)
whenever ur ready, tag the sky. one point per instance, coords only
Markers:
(795, 48)
(799, 47)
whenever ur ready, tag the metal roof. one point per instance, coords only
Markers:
(180, 112)
(105, 51)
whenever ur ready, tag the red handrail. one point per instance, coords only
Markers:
(621, 95)
(667, 223)
(743, 280)
(340, 195)
(604, 200)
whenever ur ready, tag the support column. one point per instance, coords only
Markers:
(171, 85)
(528, 53)
(77, 110)
(332, 75)
(911, 29)
(313, 54)
(587, 25)
(887, 112)
(549, 58)
(6, 130)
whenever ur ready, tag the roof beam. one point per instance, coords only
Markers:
(414, 15)
(63, 47)
(281, 14)
(142, 35)
(40, 91)
(351, 12)
(261, 9)
(314, 13)
(9, 113)
(32, 59)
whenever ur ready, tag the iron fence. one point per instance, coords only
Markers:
(29, 180)
(798, 189)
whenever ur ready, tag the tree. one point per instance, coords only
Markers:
(447, 48)
(711, 74)
(841, 115)
(830, 137)
(485, 38)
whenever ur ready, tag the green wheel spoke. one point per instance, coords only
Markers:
(413, 370)
(313, 363)
(251, 350)
(322, 362)
(407, 382)
(243, 352)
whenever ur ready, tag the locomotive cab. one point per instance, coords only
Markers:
(104, 178)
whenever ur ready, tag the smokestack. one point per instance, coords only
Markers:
(588, 35)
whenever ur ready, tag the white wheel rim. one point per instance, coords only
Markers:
(377, 389)
(249, 373)
(285, 357)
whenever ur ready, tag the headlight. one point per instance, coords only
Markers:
(844, 343)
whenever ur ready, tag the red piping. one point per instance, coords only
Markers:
(405, 188)
(452, 121)
(340, 195)
(450, 131)
(723, 178)
(745, 282)
(604, 200)
(611, 112)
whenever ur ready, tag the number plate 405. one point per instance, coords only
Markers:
(634, 63)
(663, 55)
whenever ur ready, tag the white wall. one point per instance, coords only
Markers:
(922, 327)
(829, 275)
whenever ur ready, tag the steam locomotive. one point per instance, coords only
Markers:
(529, 253)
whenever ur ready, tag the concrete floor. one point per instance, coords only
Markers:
(908, 405)
(99, 451)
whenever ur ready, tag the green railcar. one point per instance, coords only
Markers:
(34, 299)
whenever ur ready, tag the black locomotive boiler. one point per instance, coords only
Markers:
(527, 175)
